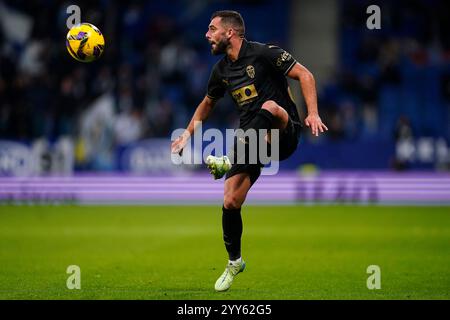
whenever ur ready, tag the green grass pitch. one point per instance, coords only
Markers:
(174, 252)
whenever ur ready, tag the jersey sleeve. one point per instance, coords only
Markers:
(281, 60)
(216, 89)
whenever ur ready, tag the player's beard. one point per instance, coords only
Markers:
(221, 47)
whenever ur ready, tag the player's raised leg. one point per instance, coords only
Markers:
(235, 192)
(279, 119)
(280, 116)
(271, 116)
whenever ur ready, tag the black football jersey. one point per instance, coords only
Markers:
(258, 75)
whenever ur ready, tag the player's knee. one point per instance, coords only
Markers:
(230, 201)
(270, 106)
(274, 109)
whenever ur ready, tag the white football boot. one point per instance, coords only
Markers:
(218, 166)
(226, 279)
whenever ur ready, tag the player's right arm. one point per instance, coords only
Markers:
(216, 90)
(201, 114)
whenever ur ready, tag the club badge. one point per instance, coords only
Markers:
(250, 71)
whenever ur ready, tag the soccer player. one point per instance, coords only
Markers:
(255, 76)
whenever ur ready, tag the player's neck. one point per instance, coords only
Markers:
(234, 48)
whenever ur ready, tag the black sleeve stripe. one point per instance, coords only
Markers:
(290, 67)
(212, 98)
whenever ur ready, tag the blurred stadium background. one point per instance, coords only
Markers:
(99, 133)
(384, 94)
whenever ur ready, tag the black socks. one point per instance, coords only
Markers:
(232, 231)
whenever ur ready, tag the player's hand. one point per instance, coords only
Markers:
(180, 143)
(315, 123)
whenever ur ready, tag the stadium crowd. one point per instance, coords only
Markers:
(157, 63)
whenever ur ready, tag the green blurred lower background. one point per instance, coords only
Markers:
(171, 252)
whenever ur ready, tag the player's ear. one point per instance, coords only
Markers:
(230, 32)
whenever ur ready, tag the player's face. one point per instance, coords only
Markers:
(217, 37)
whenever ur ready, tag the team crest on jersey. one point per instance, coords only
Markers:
(285, 56)
(250, 71)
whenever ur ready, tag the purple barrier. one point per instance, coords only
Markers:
(283, 188)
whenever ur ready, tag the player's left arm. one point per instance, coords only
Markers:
(308, 87)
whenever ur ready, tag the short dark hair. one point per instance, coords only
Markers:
(232, 18)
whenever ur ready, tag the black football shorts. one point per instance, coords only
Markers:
(289, 139)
